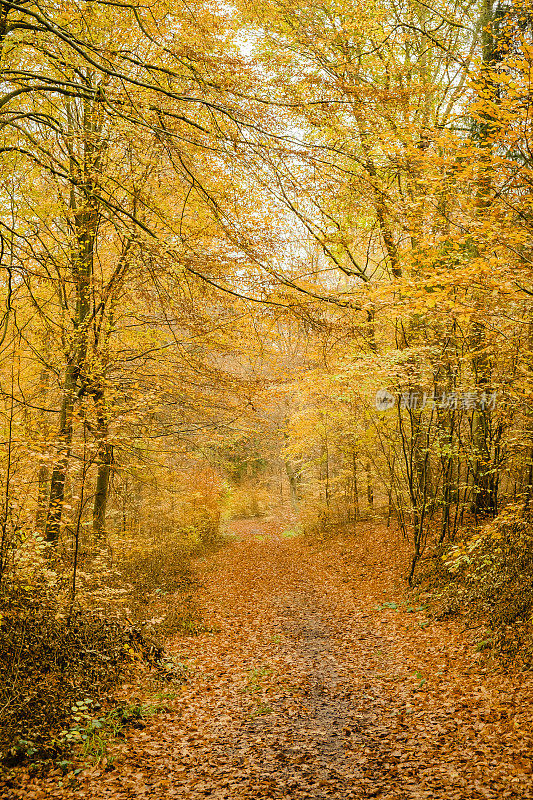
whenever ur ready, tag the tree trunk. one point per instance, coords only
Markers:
(42, 494)
(44, 473)
(105, 461)
(84, 206)
(59, 471)
(293, 484)
(369, 485)
(483, 468)
(355, 488)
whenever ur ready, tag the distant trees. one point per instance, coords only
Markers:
(350, 198)
(412, 178)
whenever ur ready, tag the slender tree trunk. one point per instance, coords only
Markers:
(355, 488)
(105, 462)
(44, 473)
(84, 206)
(59, 470)
(325, 461)
(42, 496)
(293, 485)
(528, 487)
(380, 208)
(4, 14)
(483, 467)
(369, 485)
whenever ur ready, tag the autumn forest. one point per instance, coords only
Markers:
(266, 399)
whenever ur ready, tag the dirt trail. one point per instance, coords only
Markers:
(304, 689)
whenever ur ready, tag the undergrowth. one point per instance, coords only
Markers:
(161, 590)
(55, 654)
(488, 578)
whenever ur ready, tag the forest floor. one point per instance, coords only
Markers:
(304, 685)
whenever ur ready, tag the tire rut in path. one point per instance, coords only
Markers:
(312, 753)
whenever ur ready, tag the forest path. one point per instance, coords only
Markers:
(302, 688)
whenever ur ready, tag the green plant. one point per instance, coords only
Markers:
(291, 533)
(253, 681)
(23, 748)
(420, 677)
(484, 644)
(390, 604)
(94, 734)
(260, 709)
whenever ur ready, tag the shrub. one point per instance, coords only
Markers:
(490, 575)
(47, 662)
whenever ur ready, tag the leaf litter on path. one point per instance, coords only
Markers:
(298, 691)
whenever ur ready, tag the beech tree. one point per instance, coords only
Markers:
(356, 178)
